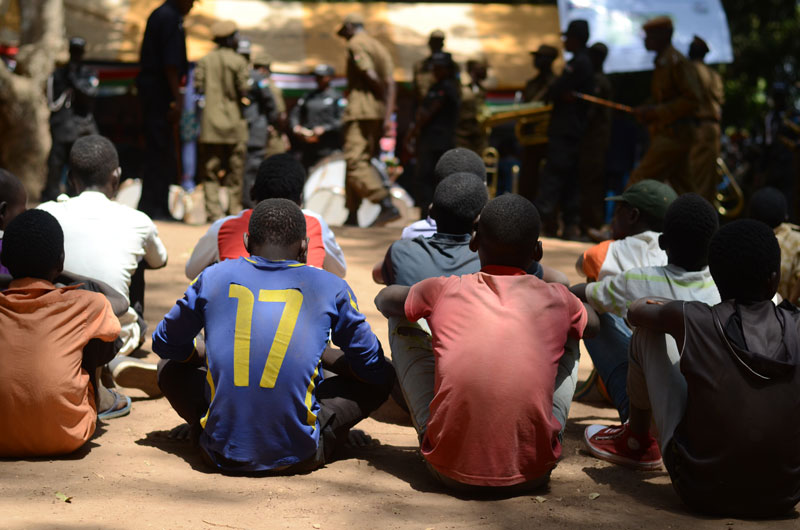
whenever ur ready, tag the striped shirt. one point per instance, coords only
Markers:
(614, 294)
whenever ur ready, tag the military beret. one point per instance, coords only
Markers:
(700, 44)
(578, 29)
(546, 51)
(223, 28)
(262, 59)
(658, 23)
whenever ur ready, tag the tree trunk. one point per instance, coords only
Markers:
(25, 138)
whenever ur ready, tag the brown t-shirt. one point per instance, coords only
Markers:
(363, 54)
(46, 403)
(737, 449)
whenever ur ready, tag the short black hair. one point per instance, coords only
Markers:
(33, 245)
(457, 201)
(93, 159)
(689, 224)
(279, 222)
(459, 160)
(742, 256)
(768, 205)
(279, 177)
(510, 221)
(11, 188)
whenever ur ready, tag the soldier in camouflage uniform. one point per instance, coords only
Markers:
(671, 116)
(70, 95)
(222, 77)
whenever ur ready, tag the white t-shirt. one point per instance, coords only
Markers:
(614, 294)
(105, 240)
(613, 257)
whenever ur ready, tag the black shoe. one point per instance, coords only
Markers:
(352, 219)
(387, 215)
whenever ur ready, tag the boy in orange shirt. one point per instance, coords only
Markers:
(54, 339)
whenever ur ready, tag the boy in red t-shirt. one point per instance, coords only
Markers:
(497, 411)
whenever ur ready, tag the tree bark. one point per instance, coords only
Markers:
(25, 139)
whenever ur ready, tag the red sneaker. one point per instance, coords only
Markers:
(619, 445)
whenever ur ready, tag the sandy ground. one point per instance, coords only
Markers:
(129, 476)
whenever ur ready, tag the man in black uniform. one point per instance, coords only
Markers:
(163, 68)
(70, 95)
(259, 111)
(434, 128)
(558, 187)
(316, 120)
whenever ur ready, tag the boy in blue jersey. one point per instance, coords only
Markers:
(257, 396)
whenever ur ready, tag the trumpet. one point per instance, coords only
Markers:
(729, 200)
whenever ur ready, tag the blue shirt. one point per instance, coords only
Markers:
(266, 326)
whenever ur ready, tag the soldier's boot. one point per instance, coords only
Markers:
(389, 213)
(352, 218)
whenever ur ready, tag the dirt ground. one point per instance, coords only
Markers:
(130, 476)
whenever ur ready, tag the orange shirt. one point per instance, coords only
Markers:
(46, 402)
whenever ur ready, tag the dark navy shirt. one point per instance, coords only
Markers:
(164, 44)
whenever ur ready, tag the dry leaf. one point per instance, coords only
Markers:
(539, 499)
(593, 496)
(315, 525)
(63, 498)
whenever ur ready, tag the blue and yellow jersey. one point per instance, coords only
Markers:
(266, 326)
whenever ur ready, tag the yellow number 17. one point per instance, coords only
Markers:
(293, 299)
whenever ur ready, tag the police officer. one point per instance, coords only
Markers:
(671, 117)
(434, 128)
(163, 68)
(706, 148)
(536, 90)
(222, 77)
(558, 186)
(368, 115)
(259, 111)
(423, 69)
(470, 132)
(316, 120)
(70, 95)
(594, 146)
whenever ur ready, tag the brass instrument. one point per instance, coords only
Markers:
(729, 200)
(532, 120)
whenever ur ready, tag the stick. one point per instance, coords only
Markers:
(603, 102)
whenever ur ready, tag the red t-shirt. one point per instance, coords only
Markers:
(498, 336)
(231, 242)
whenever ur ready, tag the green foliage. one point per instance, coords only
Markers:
(766, 47)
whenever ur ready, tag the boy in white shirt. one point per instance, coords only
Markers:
(689, 224)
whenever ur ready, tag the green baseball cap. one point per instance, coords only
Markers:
(649, 196)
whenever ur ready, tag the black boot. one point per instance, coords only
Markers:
(352, 218)
(389, 213)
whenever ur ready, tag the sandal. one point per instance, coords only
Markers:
(114, 411)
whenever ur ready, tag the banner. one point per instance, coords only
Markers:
(618, 24)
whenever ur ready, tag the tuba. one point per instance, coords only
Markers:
(729, 200)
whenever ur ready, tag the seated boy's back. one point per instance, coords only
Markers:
(496, 365)
(47, 403)
(266, 327)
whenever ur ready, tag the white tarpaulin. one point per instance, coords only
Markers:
(618, 24)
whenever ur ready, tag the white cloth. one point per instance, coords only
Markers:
(424, 227)
(206, 251)
(614, 294)
(105, 240)
(632, 252)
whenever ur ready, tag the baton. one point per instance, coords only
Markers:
(603, 102)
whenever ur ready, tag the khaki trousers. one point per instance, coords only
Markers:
(703, 159)
(667, 160)
(222, 164)
(361, 139)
